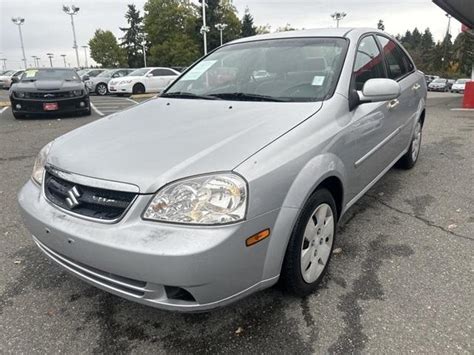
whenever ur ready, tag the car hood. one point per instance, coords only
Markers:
(46, 85)
(162, 140)
(128, 78)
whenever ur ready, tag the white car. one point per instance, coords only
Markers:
(459, 85)
(6, 78)
(144, 80)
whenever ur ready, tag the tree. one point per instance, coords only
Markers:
(170, 27)
(105, 50)
(219, 11)
(380, 25)
(285, 28)
(248, 28)
(264, 29)
(133, 37)
(463, 49)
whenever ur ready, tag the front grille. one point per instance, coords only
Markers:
(92, 202)
(49, 95)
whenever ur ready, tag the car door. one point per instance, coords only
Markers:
(406, 109)
(167, 76)
(370, 125)
(153, 80)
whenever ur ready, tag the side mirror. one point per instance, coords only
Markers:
(15, 79)
(376, 90)
(85, 78)
(149, 75)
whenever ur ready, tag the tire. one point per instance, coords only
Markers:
(299, 276)
(138, 89)
(410, 158)
(101, 89)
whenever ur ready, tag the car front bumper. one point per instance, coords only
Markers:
(32, 106)
(121, 89)
(146, 261)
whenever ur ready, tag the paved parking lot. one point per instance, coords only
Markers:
(402, 283)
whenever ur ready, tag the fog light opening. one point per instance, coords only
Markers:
(18, 106)
(178, 293)
(254, 239)
(82, 104)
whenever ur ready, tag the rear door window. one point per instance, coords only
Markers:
(368, 62)
(398, 64)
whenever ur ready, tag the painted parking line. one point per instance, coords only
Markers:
(106, 105)
(96, 110)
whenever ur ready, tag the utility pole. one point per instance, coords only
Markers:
(446, 39)
(19, 21)
(144, 53)
(50, 56)
(204, 28)
(34, 60)
(71, 11)
(85, 55)
(4, 65)
(221, 27)
(64, 60)
(338, 16)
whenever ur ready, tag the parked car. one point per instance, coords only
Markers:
(144, 80)
(430, 78)
(459, 85)
(223, 185)
(7, 77)
(440, 84)
(91, 73)
(49, 90)
(99, 83)
(451, 83)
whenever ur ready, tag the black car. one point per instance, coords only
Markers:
(49, 91)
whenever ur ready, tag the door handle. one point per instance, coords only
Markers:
(416, 86)
(392, 104)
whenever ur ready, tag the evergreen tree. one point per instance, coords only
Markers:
(248, 28)
(463, 52)
(133, 37)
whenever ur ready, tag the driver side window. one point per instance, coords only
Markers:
(368, 62)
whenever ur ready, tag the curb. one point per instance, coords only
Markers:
(4, 103)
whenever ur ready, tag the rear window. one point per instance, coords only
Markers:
(50, 74)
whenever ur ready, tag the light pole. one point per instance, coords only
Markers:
(338, 16)
(50, 56)
(35, 58)
(204, 28)
(144, 53)
(221, 27)
(64, 59)
(71, 11)
(85, 54)
(4, 60)
(446, 39)
(20, 21)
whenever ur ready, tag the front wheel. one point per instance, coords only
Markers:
(410, 158)
(311, 243)
(101, 89)
(138, 89)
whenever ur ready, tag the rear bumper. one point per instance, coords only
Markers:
(142, 260)
(64, 105)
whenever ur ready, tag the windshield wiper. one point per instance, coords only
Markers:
(188, 95)
(242, 96)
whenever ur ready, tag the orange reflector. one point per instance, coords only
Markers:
(254, 239)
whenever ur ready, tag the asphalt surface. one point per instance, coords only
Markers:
(403, 282)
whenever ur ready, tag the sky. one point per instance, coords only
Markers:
(48, 30)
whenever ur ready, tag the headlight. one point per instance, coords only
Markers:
(19, 94)
(76, 93)
(125, 82)
(208, 199)
(38, 167)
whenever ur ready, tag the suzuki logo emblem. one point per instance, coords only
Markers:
(73, 194)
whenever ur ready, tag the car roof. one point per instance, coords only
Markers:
(342, 32)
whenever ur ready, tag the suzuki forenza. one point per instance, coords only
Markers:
(236, 176)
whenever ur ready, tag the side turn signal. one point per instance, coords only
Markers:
(254, 239)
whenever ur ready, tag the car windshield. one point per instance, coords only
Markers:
(294, 69)
(82, 71)
(107, 73)
(439, 81)
(9, 72)
(139, 72)
(462, 81)
(50, 74)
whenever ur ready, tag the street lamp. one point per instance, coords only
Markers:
(204, 28)
(85, 54)
(71, 11)
(221, 27)
(338, 16)
(50, 56)
(20, 21)
(4, 60)
(64, 59)
(35, 60)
